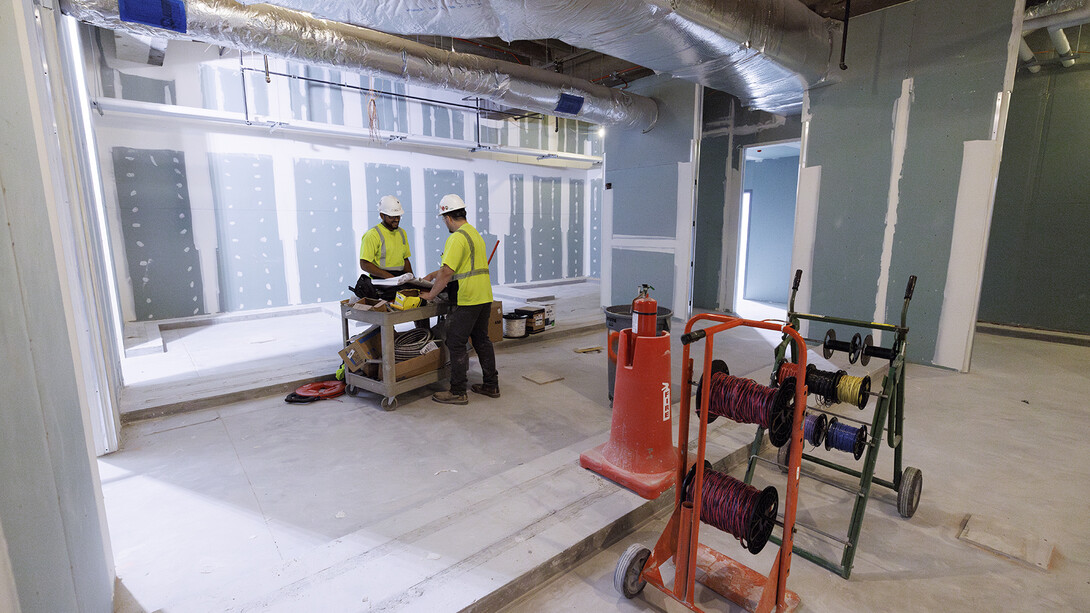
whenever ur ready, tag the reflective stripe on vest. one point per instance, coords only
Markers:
(473, 272)
(382, 248)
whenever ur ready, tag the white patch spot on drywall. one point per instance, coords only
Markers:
(899, 140)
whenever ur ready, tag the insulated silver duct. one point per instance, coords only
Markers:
(765, 52)
(290, 34)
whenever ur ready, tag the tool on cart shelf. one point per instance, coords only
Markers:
(863, 441)
(640, 453)
(718, 499)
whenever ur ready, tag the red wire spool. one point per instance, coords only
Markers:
(741, 510)
(746, 401)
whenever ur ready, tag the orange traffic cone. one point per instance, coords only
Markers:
(640, 453)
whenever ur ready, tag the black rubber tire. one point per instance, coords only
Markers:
(908, 494)
(351, 390)
(389, 404)
(626, 578)
(782, 457)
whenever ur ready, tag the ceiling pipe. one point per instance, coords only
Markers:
(294, 35)
(1063, 47)
(1056, 14)
(764, 52)
(1026, 55)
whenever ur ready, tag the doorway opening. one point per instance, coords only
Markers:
(766, 230)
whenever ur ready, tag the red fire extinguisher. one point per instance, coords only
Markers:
(645, 311)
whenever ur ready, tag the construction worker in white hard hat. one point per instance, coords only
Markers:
(465, 265)
(384, 250)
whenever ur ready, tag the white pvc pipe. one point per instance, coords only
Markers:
(1026, 55)
(1063, 47)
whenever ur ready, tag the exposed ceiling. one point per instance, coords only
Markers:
(599, 68)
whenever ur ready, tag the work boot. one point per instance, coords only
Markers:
(450, 398)
(480, 388)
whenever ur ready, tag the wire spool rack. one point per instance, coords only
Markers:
(844, 436)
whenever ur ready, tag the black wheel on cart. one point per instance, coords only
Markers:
(351, 390)
(908, 494)
(389, 404)
(626, 578)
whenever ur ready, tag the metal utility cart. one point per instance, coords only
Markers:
(906, 482)
(389, 387)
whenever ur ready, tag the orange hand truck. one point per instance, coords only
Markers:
(680, 540)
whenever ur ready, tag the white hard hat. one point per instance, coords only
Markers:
(391, 206)
(451, 202)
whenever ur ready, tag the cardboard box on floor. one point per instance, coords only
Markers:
(495, 322)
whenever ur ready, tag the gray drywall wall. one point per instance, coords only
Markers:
(1035, 273)
(157, 228)
(597, 191)
(545, 244)
(391, 110)
(654, 268)
(514, 242)
(483, 224)
(438, 183)
(442, 121)
(325, 248)
(250, 253)
(391, 180)
(326, 103)
(144, 89)
(710, 199)
(48, 508)
(643, 169)
(576, 236)
(956, 55)
(772, 184)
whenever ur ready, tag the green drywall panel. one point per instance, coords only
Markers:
(956, 55)
(1034, 274)
(710, 200)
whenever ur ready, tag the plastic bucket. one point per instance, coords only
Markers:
(619, 317)
(514, 325)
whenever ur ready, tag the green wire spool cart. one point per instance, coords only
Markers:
(888, 415)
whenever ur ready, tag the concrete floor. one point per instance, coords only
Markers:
(264, 506)
(1006, 442)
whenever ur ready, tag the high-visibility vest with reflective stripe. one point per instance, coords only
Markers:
(384, 259)
(471, 273)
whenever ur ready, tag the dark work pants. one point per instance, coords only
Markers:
(467, 323)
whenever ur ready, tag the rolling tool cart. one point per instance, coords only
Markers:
(720, 500)
(388, 385)
(889, 411)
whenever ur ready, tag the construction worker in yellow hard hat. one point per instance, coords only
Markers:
(384, 250)
(465, 264)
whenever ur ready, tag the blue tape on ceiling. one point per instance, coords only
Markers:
(166, 14)
(569, 104)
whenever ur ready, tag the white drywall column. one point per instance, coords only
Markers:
(49, 513)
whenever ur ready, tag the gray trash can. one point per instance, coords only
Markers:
(619, 317)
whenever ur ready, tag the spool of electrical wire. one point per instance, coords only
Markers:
(741, 510)
(814, 427)
(843, 437)
(746, 401)
(408, 344)
(832, 386)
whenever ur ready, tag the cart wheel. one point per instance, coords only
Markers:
(351, 390)
(908, 495)
(626, 579)
(783, 457)
(389, 404)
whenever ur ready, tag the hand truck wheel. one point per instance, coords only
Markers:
(351, 390)
(626, 578)
(389, 404)
(908, 494)
(783, 457)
